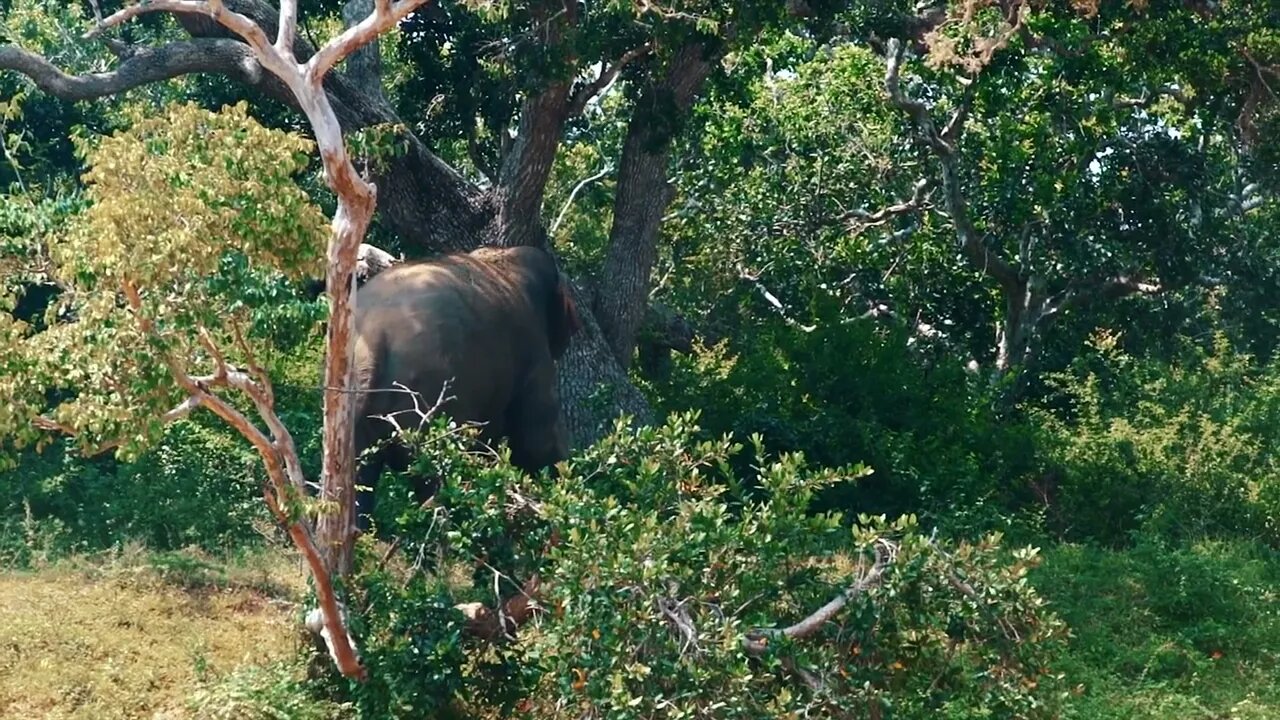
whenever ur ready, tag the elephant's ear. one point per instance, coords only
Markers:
(562, 321)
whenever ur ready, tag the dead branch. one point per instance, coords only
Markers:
(756, 641)
(384, 17)
(678, 616)
(485, 624)
(754, 278)
(920, 193)
(1149, 97)
(356, 202)
(574, 193)
(288, 28)
(583, 93)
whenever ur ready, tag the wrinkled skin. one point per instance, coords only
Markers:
(492, 323)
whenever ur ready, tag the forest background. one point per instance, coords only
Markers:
(964, 315)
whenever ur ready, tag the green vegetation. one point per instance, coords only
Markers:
(957, 330)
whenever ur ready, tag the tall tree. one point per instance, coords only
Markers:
(521, 74)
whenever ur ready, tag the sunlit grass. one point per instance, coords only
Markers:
(134, 634)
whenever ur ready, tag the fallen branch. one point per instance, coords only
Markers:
(485, 624)
(756, 641)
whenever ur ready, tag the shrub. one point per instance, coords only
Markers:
(198, 486)
(656, 566)
(1178, 448)
(858, 392)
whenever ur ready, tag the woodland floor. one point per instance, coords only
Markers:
(1189, 633)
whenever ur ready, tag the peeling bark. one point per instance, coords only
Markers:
(356, 203)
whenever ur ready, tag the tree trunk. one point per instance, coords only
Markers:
(522, 180)
(643, 196)
(594, 387)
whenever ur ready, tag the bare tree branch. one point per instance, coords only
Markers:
(1149, 97)
(754, 278)
(582, 94)
(178, 412)
(144, 66)
(356, 203)
(385, 16)
(574, 193)
(919, 199)
(288, 28)
(756, 641)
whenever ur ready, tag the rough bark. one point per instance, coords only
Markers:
(594, 387)
(522, 180)
(643, 196)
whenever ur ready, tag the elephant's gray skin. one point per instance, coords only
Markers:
(492, 323)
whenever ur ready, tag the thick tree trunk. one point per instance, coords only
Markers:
(643, 196)
(594, 387)
(522, 180)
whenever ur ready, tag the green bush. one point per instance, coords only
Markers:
(858, 392)
(1181, 449)
(656, 562)
(199, 486)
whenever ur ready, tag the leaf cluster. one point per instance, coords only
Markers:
(193, 222)
(656, 559)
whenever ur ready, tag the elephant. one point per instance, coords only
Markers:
(492, 323)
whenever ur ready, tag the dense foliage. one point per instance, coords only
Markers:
(1004, 389)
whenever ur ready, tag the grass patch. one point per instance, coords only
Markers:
(131, 634)
(1168, 632)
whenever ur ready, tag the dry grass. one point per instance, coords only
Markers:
(132, 636)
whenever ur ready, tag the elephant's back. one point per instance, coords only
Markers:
(424, 324)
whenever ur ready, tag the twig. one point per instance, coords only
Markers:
(576, 189)
(178, 412)
(675, 613)
(583, 93)
(920, 193)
